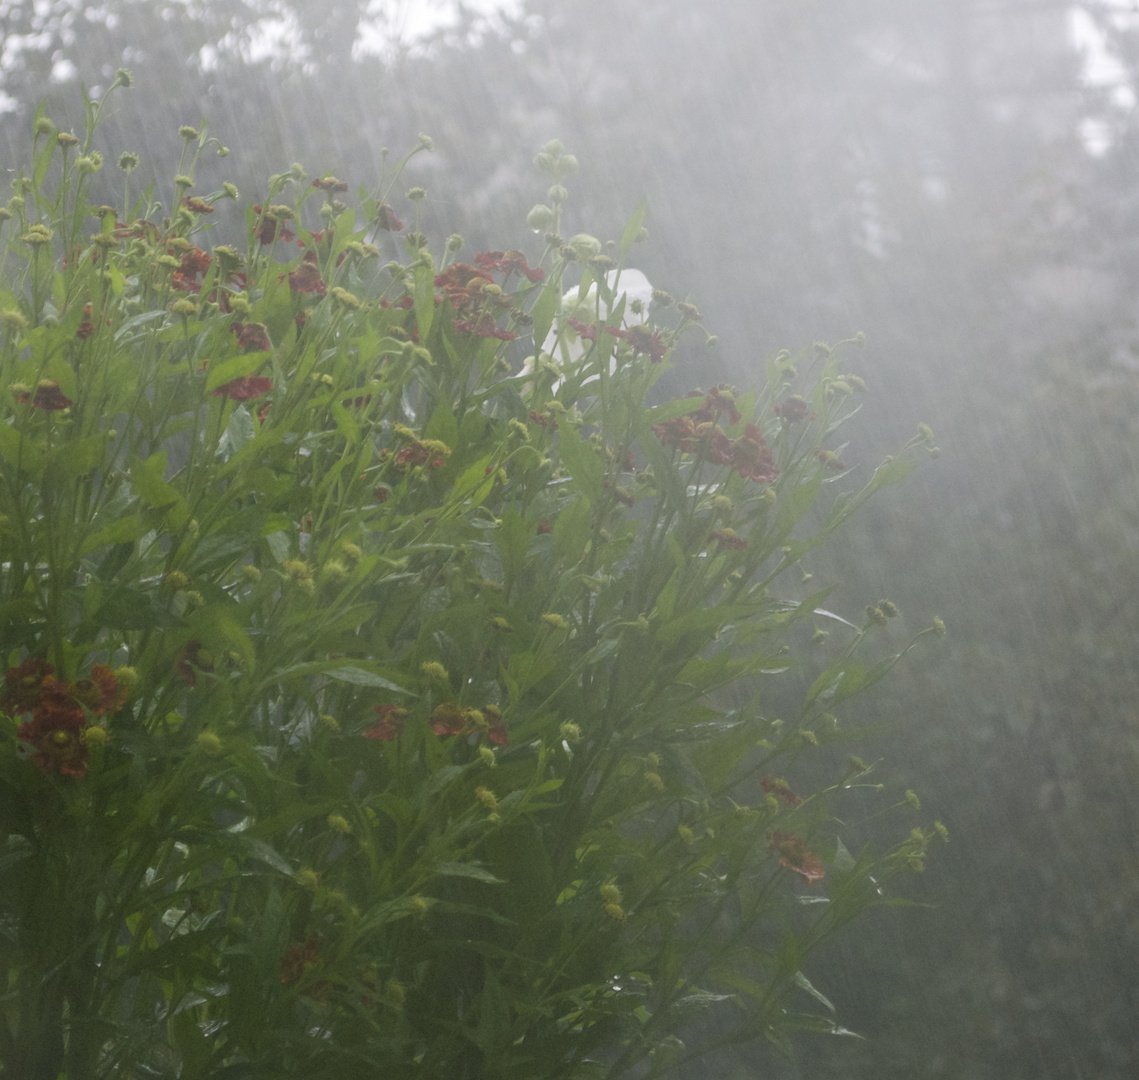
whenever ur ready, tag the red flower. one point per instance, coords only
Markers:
(269, 228)
(192, 656)
(101, 693)
(584, 330)
(86, 327)
(188, 277)
(781, 790)
(306, 278)
(484, 327)
(642, 340)
(391, 723)
(387, 220)
(247, 388)
(509, 262)
(47, 396)
(793, 855)
(199, 206)
(729, 538)
(330, 183)
(55, 731)
(462, 283)
(380, 494)
(448, 719)
(495, 725)
(793, 409)
(25, 686)
(252, 336)
(751, 457)
(721, 399)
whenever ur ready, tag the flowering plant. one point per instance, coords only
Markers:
(381, 688)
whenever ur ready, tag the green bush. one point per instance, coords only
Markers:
(366, 661)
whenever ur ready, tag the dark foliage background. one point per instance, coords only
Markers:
(944, 177)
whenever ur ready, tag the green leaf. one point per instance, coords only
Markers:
(346, 673)
(18, 451)
(544, 310)
(585, 466)
(841, 680)
(221, 372)
(72, 459)
(467, 870)
(804, 983)
(892, 472)
(424, 295)
(633, 228)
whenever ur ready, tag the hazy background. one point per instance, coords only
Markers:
(956, 178)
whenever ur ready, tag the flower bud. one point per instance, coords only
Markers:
(540, 217)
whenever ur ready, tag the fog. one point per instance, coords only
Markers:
(956, 181)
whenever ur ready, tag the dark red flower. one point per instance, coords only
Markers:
(583, 330)
(24, 686)
(793, 855)
(484, 326)
(793, 409)
(392, 719)
(495, 725)
(252, 336)
(509, 262)
(306, 277)
(387, 220)
(101, 693)
(270, 228)
(729, 538)
(462, 283)
(752, 458)
(192, 656)
(247, 388)
(641, 340)
(721, 399)
(781, 790)
(330, 183)
(380, 494)
(55, 731)
(47, 396)
(448, 719)
(86, 327)
(199, 206)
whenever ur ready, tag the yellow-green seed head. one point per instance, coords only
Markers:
(610, 893)
(95, 736)
(209, 743)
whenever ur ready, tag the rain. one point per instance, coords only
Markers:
(956, 182)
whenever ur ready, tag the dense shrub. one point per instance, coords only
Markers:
(367, 631)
